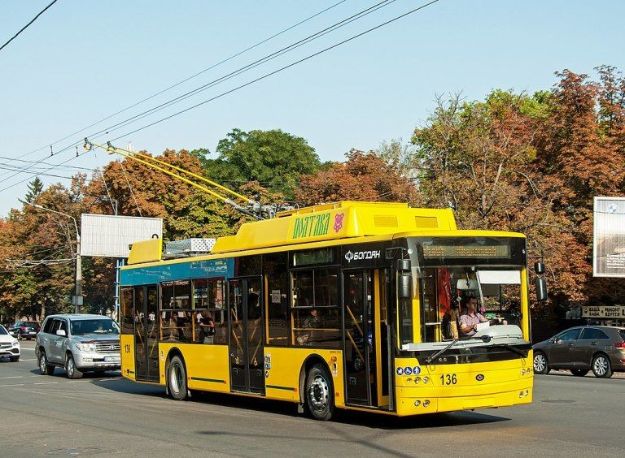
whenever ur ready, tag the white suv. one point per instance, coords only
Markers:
(79, 343)
(9, 345)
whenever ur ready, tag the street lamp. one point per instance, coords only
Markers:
(78, 291)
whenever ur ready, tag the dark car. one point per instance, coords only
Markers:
(24, 329)
(581, 349)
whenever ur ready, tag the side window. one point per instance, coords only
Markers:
(127, 320)
(209, 317)
(594, 334)
(63, 326)
(47, 327)
(571, 334)
(176, 312)
(315, 311)
(55, 326)
(277, 294)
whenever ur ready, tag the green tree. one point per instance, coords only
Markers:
(34, 189)
(274, 158)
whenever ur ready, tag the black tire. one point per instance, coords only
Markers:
(177, 379)
(541, 364)
(319, 393)
(70, 368)
(601, 366)
(579, 372)
(44, 367)
(14, 358)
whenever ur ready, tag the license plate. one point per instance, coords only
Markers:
(110, 359)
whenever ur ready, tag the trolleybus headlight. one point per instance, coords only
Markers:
(417, 379)
(426, 403)
(417, 403)
(425, 379)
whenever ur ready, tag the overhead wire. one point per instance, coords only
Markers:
(262, 77)
(274, 72)
(132, 193)
(27, 25)
(245, 68)
(195, 75)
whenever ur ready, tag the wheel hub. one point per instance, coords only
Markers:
(319, 393)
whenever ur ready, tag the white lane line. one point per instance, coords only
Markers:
(16, 376)
(17, 384)
(34, 359)
(45, 383)
(27, 349)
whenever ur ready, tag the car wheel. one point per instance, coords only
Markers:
(15, 358)
(44, 367)
(70, 367)
(601, 366)
(319, 393)
(177, 379)
(579, 372)
(541, 365)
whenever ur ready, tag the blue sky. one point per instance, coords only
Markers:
(84, 60)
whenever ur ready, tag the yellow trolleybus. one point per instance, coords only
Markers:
(343, 305)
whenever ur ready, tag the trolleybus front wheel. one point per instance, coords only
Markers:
(319, 393)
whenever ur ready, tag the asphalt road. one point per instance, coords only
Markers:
(51, 415)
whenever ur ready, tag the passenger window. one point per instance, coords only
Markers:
(315, 312)
(209, 317)
(127, 320)
(63, 326)
(47, 328)
(593, 334)
(571, 334)
(275, 270)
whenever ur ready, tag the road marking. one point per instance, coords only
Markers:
(28, 349)
(16, 376)
(17, 384)
(44, 383)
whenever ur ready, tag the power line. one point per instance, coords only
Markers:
(230, 75)
(250, 66)
(27, 25)
(274, 72)
(260, 78)
(195, 75)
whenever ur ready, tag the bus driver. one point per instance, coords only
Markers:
(471, 318)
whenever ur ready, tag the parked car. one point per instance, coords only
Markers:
(9, 345)
(78, 343)
(25, 329)
(581, 349)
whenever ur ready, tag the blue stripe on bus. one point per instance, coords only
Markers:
(177, 271)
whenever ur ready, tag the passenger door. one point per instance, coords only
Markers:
(246, 348)
(561, 351)
(146, 333)
(366, 338)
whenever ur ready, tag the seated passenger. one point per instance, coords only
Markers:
(471, 318)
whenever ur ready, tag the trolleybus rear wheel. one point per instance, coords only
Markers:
(177, 379)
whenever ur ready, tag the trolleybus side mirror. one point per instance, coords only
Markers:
(404, 279)
(541, 283)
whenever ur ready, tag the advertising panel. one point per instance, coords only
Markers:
(109, 236)
(609, 237)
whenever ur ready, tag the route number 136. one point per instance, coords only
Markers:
(449, 379)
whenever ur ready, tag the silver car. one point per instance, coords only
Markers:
(78, 343)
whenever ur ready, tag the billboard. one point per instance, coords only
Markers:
(609, 237)
(109, 236)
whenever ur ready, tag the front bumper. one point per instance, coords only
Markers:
(9, 351)
(97, 361)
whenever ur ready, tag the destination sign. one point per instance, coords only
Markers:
(466, 251)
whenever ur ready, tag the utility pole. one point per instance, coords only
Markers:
(77, 299)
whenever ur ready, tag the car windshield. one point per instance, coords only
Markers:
(94, 326)
(3, 331)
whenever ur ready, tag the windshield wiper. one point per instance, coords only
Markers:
(512, 349)
(435, 356)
